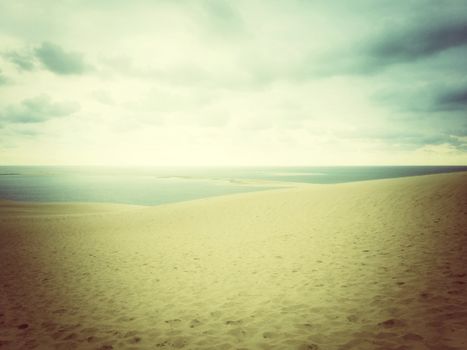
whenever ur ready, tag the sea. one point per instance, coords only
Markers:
(153, 186)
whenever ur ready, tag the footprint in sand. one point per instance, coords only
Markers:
(134, 340)
(106, 347)
(392, 323)
(268, 335)
(59, 311)
(238, 333)
(175, 321)
(232, 323)
(92, 339)
(194, 323)
(71, 336)
(178, 343)
(412, 337)
(125, 319)
(309, 347)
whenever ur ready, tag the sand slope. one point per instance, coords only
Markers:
(370, 265)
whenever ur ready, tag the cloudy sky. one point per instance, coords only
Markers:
(216, 82)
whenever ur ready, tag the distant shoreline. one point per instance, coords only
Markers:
(160, 186)
(268, 186)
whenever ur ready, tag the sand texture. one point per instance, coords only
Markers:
(370, 265)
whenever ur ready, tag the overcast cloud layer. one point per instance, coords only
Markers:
(233, 82)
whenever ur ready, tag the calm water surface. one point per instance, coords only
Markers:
(150, 186)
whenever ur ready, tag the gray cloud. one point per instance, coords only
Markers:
(36, 110)
(59, 61)
(421, 42)
(413, 134)
(453, 100)
(22, 60)
(442, 95)
(405, 44)
(52, 56)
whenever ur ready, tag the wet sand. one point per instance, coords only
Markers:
(371, 265)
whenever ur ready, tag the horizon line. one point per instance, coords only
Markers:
(232, 165)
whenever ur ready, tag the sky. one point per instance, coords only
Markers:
(222, 83)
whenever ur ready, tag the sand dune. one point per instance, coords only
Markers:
(371, 265)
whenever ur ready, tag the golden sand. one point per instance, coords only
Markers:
(370, 265)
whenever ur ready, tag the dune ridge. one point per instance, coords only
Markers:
(369, 265)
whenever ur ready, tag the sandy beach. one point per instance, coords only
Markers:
(370, 265)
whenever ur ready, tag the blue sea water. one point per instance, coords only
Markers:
(151, 186)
